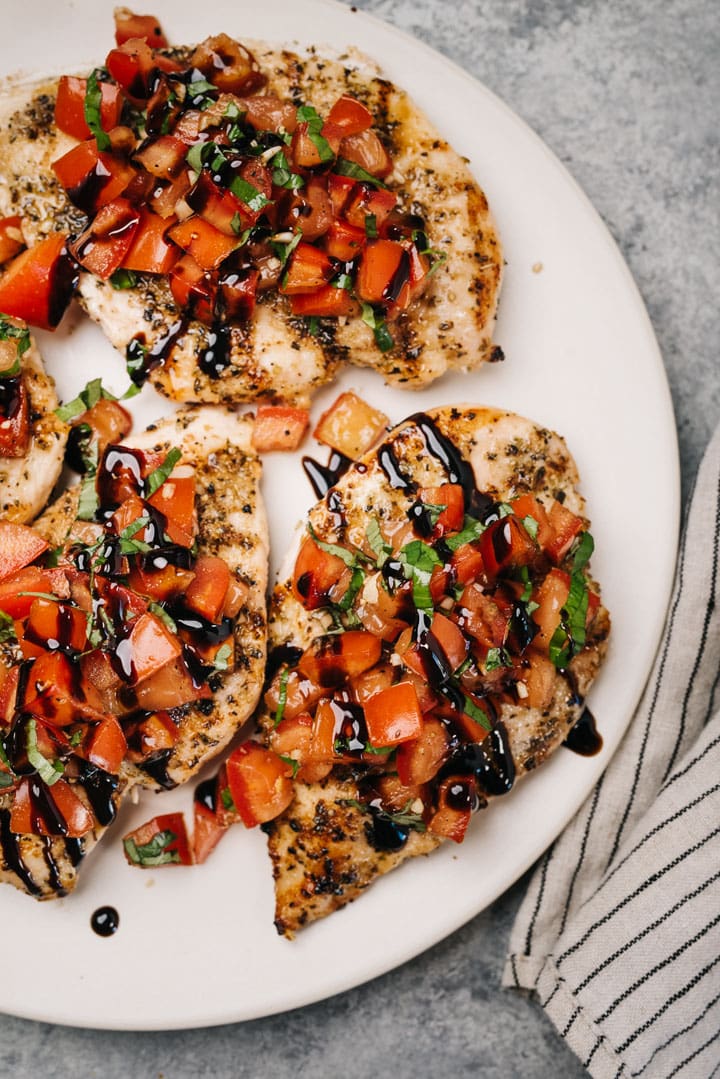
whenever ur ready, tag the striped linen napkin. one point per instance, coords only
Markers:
(618, 937)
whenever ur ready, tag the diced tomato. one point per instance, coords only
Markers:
(12, 240)
(335, 656)
(340, 189)
(293, 739)
(528, 506)
(57, 625)
(152, 734)
(379, 264)
(104, 244)
(467, 564)
(132, 65)
(565, 526)
(279, 427)
(304, 153)
(344, 242)
(164, 197)
(54, 693)
(265, 112)
(326, 302)
(365, 685)
(260, 783)
(350, 115)
(456, 796)
(300, 693)
(9, 682)
(418, 761)
(482, 617)
(15, 430)
(309, 209)
(366, 150)
(202, 241)
(76, 818)
(193, 289)
(206, 592)
(308, 270)
(106, 746)
(449, 495)
(316, 571)
(228, 65)
(450, 638)
(170, 687)
(393, 715)
(238, 292)
(70, 106)
(219, 207)
(350, 425)
(161, 584)
(150, 251)
(146, 27)
(207, 831)
(368, 202)
(177, 846)
(19, 546)
(539, 677)
(175, 499)
(109, 422)
(91, 177)
(152, 646)
(506, 545)
(37, 285)
(551, 596)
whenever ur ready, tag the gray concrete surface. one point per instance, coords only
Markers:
(626, 93)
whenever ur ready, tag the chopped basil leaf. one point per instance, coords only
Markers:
(194, 156)
(569, 637)
(471, 531)
(527, 589)
(87, 398)
(232, 112)
(404, 817)
(128, 545)
(343, 280)
(291, 763)
(419, 561)
(89, 502)
(76, 738)
(284, 251)
(135, 356)
(374, 536)
(531, 526)
(433, 512)
(122, 279)
(306, 114)
(313, 325)
(160, 474)
(477, 715)
(349, 168)
(227, 800)
(6, 780)
(342, 553)
(504, 510)
(49, 771)
(383, 337)
(153, 853)
(583, 551)
(371, 226)
(7, 628)
(21, 335)
(497, 657)
(282, 696)
(282, 174)
(92, 107)
(356, 582)
(161, 613)
(222, 657)
(249, 194)
(43, 595)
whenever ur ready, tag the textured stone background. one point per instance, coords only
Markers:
(626, 93)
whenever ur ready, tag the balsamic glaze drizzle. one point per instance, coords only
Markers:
(105, 921)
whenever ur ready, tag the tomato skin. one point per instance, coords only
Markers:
(350, 425)
(450, 821)
(279, 427)
(293, 738)
(103, 246)
(566, 526)
(57, 623)
(482, 617)
(325, 302)
(332, 658)
(131, 65)
(37, 285)
(393, 715)
(350, 115)
(449, 495)
(228, 65)
(218, 206)
(315, 573)
(152, 647)
(260, 783)
(340, 189)
(344, 241)
(146, 27)
(308, 270)
(106, 746)
(207, 832)
(467, 564)
(11, 238)
(70, 106)
(193, 289)
(175, 499)
(167, 822)
(420, 760)
(366, 202)
(92, 178)
(149, 250)
(505, 544)
(169, 687)
(206, 592)
(202, 241)
(366, 150)
(19, 546)
(380, 262)
(15, 431)
(77, 817)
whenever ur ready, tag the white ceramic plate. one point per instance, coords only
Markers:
(197, 946)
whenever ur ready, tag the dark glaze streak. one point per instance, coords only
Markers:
(206, 794)
(100, 787)
(399, 279)
(75, 850)
(149, 359)
(10, 846)
(215, 359)
(391, 467)
(105, 921)
(323, 477)
(156, 768)
(53, 874)
(446, 452)
(584, 738)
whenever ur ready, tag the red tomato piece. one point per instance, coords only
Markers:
(239, 291)
(393, 715)
(152, 646)
(265, 112)
(308, 270)
(19, 546)
(150, 251)
(279, 427)
(505, 545)
(12, 240)
(366, 150)
(177, 846)
(228, 65)
(450, 638)
(456, 796)
(70, 106)
(380, 262)
(77, 818)
(193, 289)
(132, 65)
(207, 832)
(315, 573)
(57, 625)
(170, 687)
(146, 27)
(206, 592)
(529, 506)
(326, 302)
(175, 499)
(449, 495)
(104, 244)
(106, 746)
(340, 189)
(219, 207)
(565, 526)
(260, 783)
(420, 760)
(9, 682)
(344, 242)
(351, 115)
(163, 157)
(202, 241)
(304, 153)
(164, 197)
(331, 658)
(551, 596)
(367, 202)
(467, 564)
(293, 739)
(109, 421)
(482, 616)
(91, 177)
(37, 285)
(15, 430)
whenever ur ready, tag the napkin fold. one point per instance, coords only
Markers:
(618, 937)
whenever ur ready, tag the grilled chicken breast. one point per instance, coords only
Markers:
(275, 355)
(232, 525)
(322, 846)
(26, 483)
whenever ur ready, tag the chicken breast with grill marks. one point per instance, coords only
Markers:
(322, 846)
(232, 525)
(274, 355)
